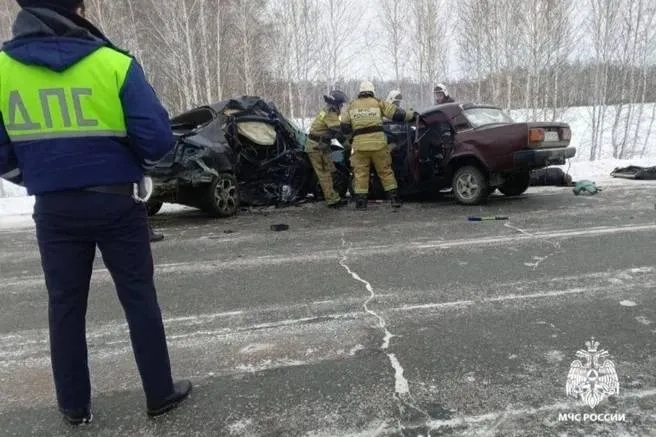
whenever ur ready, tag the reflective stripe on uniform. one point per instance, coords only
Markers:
(68, 134)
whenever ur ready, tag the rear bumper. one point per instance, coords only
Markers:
(537, 158)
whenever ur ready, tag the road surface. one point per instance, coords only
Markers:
(377, 323)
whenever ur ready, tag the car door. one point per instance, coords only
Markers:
(435, 141)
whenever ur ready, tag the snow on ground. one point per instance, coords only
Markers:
(599, 171)
(16, 209)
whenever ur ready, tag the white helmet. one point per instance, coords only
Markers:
(367, 87)
(394, 96)
(441, 87)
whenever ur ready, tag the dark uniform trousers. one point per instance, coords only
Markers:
(69, 227)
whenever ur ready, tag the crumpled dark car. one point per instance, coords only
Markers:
(472, 149)
(238, 152)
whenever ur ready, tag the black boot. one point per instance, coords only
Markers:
(361, 201)
(181, 390)
(77, 417)
(395, 200)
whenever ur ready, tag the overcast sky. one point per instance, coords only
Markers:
(369, 57)
(369, 42)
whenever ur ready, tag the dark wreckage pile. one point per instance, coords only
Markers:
(237, 152)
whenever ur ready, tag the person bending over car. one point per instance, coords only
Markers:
(324, 129)
(364, 119)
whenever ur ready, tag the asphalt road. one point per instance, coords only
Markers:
(377, 323)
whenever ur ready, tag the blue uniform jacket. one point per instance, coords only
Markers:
(70, 163)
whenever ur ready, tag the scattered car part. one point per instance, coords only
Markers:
(586, 187)
(480, 219)
(634, 172)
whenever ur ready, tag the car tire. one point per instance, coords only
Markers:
(222, 196)
(153, 207)
(516, 184)
(470, 185)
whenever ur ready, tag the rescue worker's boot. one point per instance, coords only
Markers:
(338, 204)
(395, 200)
(361, 201)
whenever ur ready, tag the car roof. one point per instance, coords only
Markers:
(454, 107)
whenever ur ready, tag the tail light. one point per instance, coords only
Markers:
(535, 135)
(566, 134)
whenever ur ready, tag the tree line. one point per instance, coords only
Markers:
(542, 55)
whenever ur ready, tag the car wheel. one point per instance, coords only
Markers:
(470, 185)
(153, 207)
(516, 184)
(222, 196)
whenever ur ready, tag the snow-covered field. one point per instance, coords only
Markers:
(16, 208)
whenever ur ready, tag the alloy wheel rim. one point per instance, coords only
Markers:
(467, 186)
(225, 195)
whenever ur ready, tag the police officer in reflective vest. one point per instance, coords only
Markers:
(79, 125)
(326, 127)
(364, 118)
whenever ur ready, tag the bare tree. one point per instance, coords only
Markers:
(646, 50)
(603, 25)
(218, 43)
(205, 49)
(648, 56)
(636, 37)
(174, 57)
(471, 40)
(540, 55)
(341, 23)
(282, 44)
(394, 18)
(429, 25)
(297, 50)
(545, 28)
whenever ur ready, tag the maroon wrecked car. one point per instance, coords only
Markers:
(473, 149)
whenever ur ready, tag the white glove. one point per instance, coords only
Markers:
(143, 190)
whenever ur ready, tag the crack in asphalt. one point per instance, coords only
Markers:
(537, 259)
(555, 244)
(402, 393)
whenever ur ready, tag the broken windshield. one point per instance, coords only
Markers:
(485, 116)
